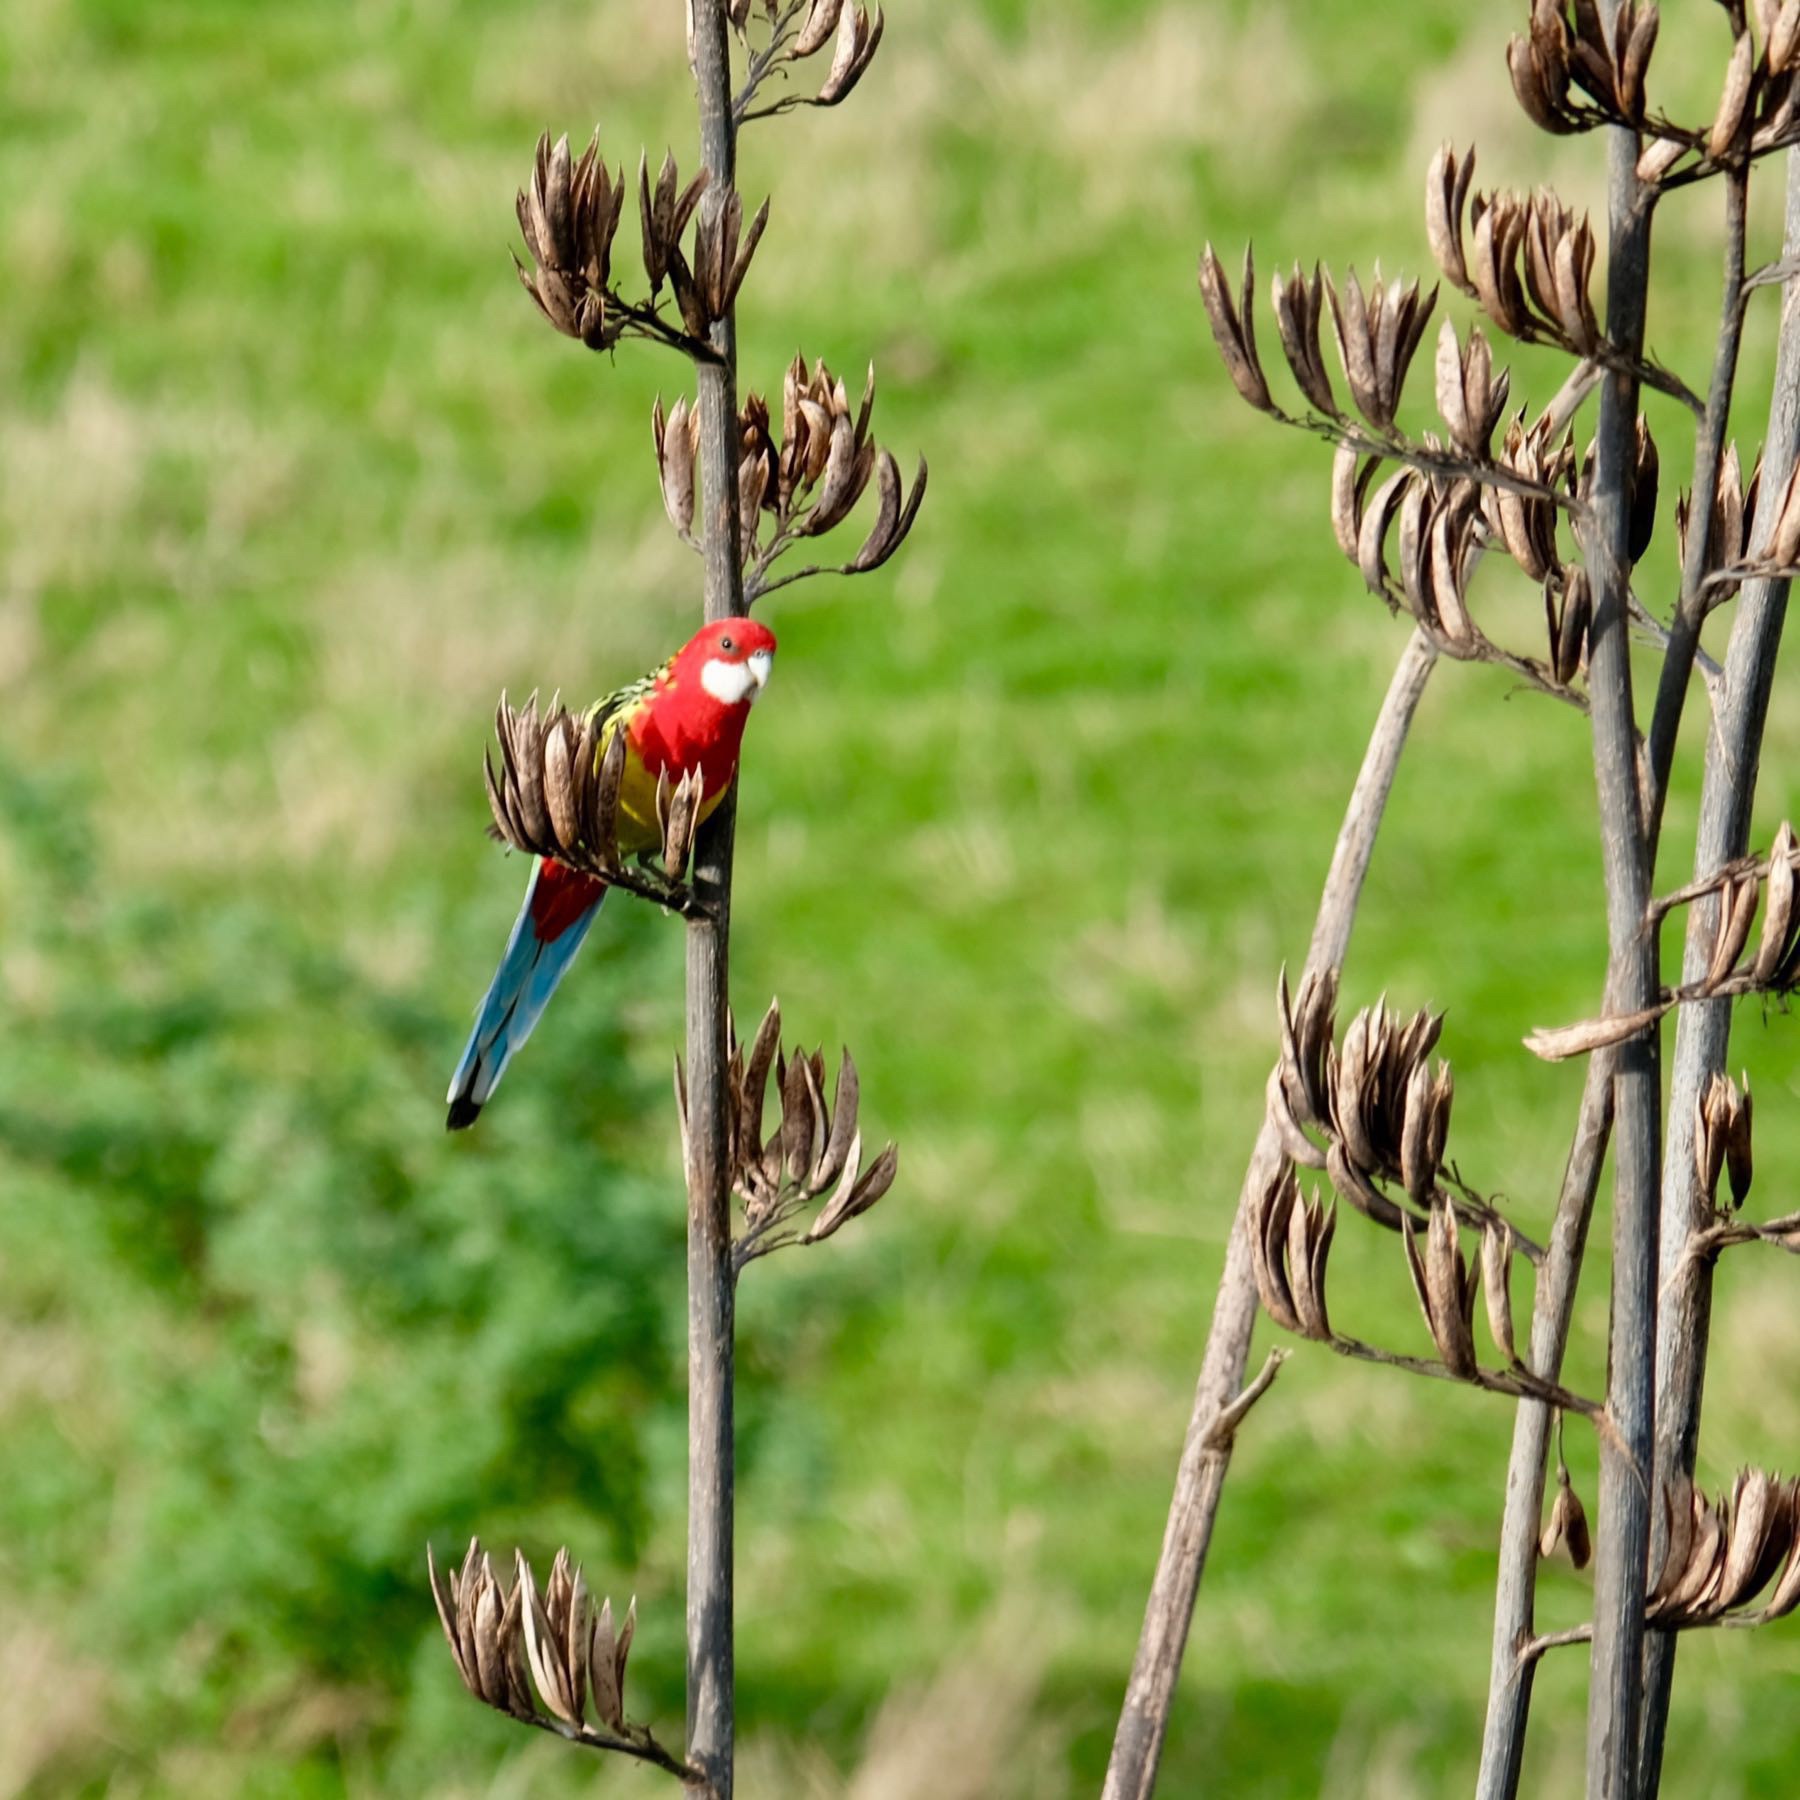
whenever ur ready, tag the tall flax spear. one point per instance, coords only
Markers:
(567, 783)
(1367, 1111)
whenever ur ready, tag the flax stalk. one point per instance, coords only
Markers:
(1703, 1032)
(1206, 1451)
(1509, 1682)
(1510, 1677)
(711, 1293)
(1624, 1510)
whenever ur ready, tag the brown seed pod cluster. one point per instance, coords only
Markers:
(1528, 261)
(813, 1154)
(569, 216)
(1377, 338)
(1378, 333)
(542, 1657)
(1722, 1138)
(1646, 469)
(1290, 1245)
(1722, 1553)
(1435, 526)
(810, 479)
(1775, 963)
(1561, 53)
(1759, 101)
(1568, 613)
(1290, 1250)
(1543, 459)
(1735, 513)
(1470, 397)
(798, 29)
(556, 794)
(1446, 1286)
(1734, 507)
(1383, 1112)
(1733, 968)
(705, 282)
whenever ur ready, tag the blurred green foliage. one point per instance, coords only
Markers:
(292, 480)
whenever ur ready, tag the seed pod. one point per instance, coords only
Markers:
(1350, 478)
(677, 447)
(1737, 910)
(821, 22)
(1298, 303)
(1567, 1524)
(1734, 101)
(1783, 547)
(1446, 190)
(1660, 156)
(1635, 46)
(1496, 1278)
(1784, 38)
(1778, 914)
(1233, 328)
(1644, 475)
(1738, 1161)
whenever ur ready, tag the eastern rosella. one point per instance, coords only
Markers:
(688, 714)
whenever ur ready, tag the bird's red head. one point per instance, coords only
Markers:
(729, 660)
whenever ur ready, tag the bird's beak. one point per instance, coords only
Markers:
(762, 665)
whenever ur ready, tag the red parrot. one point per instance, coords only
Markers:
(688, 714)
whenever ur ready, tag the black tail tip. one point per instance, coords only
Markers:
(463, 1113)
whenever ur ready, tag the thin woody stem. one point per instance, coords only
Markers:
(640, 1745)
(1624, 1508)
(1691, 608)
(1519, 1383)
(1703, 1032)
(1509, 1680)
(711, 1279)
(1206, 1452)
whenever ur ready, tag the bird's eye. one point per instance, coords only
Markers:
(727, 645)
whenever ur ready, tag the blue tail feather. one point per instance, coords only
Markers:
(516, 998)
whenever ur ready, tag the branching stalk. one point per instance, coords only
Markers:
(1509, 1682)
(1206, 1451)
(1690, 609)
(1624, 1519)
(711, 1293)
(1702, 1035)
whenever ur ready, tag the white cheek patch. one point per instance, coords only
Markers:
(729, 683)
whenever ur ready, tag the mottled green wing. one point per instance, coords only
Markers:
(618, 706)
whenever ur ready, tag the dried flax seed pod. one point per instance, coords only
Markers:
(1234, 327)
(1298, 304)
(1722, 1138)
(1776, 948)
(677, 450)
(1290, 1247)
(568, 215)
(1446, 1286)
(1470, 397)
(1567, 1526)
(1734, 103)
(1446, 193)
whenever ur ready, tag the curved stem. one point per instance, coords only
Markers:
(1510, 1675)
(1206, 1451)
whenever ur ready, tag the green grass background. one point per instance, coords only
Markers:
(292, 481)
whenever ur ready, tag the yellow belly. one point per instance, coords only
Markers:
(639, 829)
